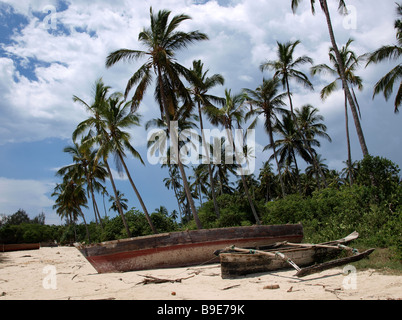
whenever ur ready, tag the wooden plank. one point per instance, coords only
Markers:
(332, 264)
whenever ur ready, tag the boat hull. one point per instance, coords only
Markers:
(235, 264)
(180, 249)
(19, 247)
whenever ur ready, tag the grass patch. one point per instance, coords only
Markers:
(383, 260)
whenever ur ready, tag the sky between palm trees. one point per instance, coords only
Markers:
(51, 50)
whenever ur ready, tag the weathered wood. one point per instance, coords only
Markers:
(19, 247)
(179, 249)
(332, 264)
(155, 280)
(234, 264)
(267, 253)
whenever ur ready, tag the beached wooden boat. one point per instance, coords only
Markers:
(179, 249)
(239, 262)
(19, 247)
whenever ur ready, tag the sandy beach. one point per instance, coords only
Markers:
(62, 273)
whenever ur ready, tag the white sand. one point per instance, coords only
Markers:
(63, 273)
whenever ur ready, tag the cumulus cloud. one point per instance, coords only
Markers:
(242, 35)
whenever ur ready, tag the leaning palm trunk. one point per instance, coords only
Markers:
(352, 104)
(348, 142)
(138, 195)
(176, 148)
(94, 204)
(117, 198)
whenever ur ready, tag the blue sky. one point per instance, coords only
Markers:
(51, 50)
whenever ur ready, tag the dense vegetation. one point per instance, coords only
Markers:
(366, 196)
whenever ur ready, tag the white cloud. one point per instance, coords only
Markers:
(30, 195)
(242, 35)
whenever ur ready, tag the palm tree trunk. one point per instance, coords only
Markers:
(95, 207)
(117, 198)
(297, 173)
(359, 130)
(211, 178)
(348, 142)
(86, 226)
(176, 147)
(271, 137)
(138, 195)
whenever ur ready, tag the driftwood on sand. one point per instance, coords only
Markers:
(151, 279)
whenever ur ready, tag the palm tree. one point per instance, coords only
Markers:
(200, 85)
(123, 202)
(312, 125)
(185, 121)
(230, 113)
(174, 182)
(267, 180)
(392, 52)
(223, 170)
(162, 41)
(266, 100)
(351, 62)
(289, 144)
(342, 9)
(286, 68)
(117, 117)
(99, 137)
(85, 166)
(70, 198)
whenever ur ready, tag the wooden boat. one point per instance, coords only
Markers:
(178, 249)
(19, 247)
(239, 262)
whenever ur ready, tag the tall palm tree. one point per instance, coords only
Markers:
(85, 166)
(116, 117)
(342, 9)
(174, 182)
(100, 136)
(265, 100)
(391, 52)
(200, 85)
(312, 124)
(70, 198)
(289, 144)
(223, 169)
(286, 69)
(231, 113)
(267, 180)
(351, 62)
(162, 41)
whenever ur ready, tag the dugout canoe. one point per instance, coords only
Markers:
(19, 247)
(181, 249)
(235, 264)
